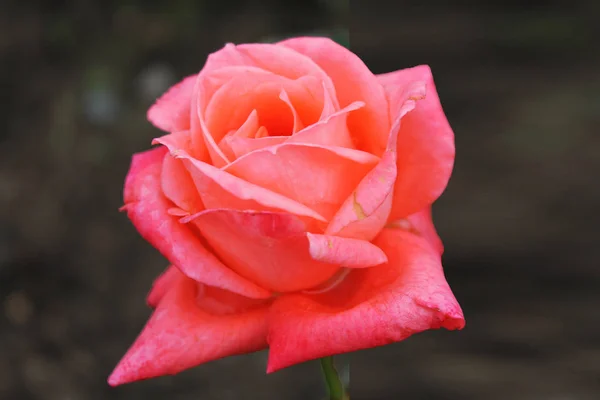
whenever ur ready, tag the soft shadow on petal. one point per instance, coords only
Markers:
(147, 208)
(171, 112)
(353, 82)
(371, 307)
(274, 249)
(193, 324)
(320, 177)
(425, 143)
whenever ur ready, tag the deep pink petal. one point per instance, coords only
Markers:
(171, 112)
(353, 82)
(191, 325)
(420, 223)
(162, 285)
(274, 249)
(425, 143)
(371, 307)
(319, 177)
(147, 208)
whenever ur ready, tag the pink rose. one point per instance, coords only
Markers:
(292, 197)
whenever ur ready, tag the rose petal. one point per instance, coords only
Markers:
(425, 144)
(274, 58)
(147, 208)
(349, 253)
(353, 82)
(298, 125)
(420, 223)
(162, 285)
(220, 189)
(177, 185)
(242, 146)
(371, 307)
(171, 112)
(319, 177)
(274, 249)
(366, 211)
(329, 131)
(249, 89)
(185, 331)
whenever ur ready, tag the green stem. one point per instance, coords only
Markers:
(332, 379)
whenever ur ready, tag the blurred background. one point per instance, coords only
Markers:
(520, 83)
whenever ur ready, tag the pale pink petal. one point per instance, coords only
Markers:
(353, 82)
(147, 208)
(319, 177)
(370, 307)
(186, 330)
(171, 112)
(274, 249)
(425, 143)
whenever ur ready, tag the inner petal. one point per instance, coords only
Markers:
(281, 104)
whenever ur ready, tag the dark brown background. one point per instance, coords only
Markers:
(520, 85)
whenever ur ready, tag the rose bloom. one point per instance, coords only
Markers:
(292, 197)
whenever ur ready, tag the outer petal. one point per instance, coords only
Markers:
(193, 324)
(319, 177)
(171, 112)
(147, 208)
(420, 223)
(162, 285)
(353, 82)
(425, 144)
(371, 307)
(274, 249)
